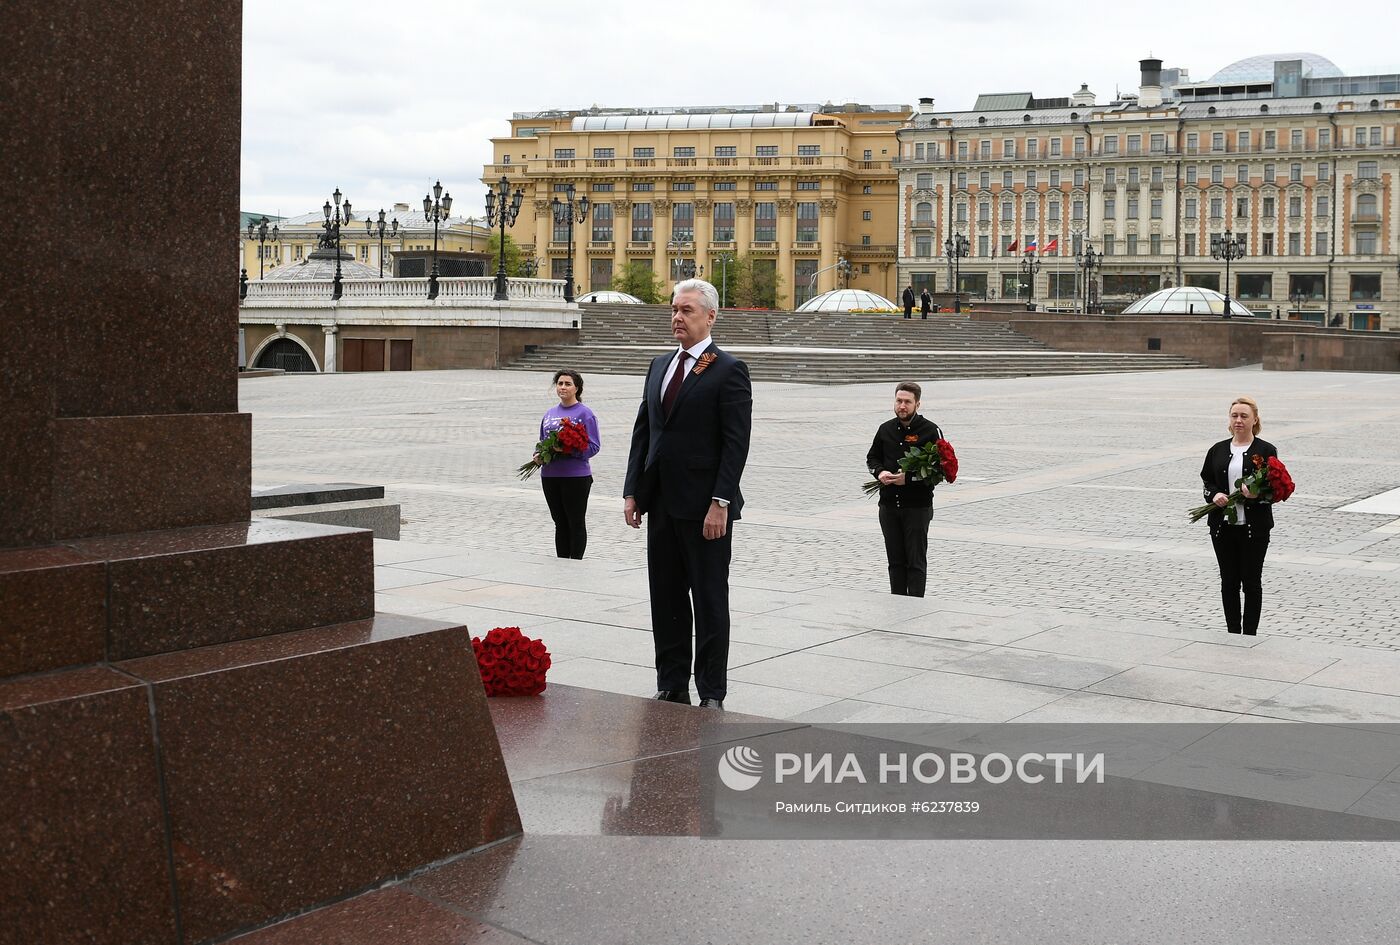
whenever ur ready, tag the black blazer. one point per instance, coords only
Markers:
(698, 452)
(1215, 477)
(891, 442)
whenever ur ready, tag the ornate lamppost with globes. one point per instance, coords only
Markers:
(371, 230)
(1030, 266)
(1088, 260)
(567, 212)
(956, 248)
(723, 260)
(1227, 246)
(436, 208)
(331, 239)
(263, 237)
(502, 207)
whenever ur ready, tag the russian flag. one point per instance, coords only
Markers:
(1030, 245)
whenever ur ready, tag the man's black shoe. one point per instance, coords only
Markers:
(712, 704)
(673, 695)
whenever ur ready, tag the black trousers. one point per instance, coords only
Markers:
(906, 547)
(1240, 551)
(689, 582)
(567, 498)
(909, 310)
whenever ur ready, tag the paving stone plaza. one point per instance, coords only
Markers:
(1066, 582)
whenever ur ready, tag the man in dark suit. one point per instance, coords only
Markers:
(689, 446)
(908, 299)
(906, 506)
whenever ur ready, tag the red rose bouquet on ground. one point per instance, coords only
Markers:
(934, 462)
(1269, 481)
(511, 664)
(571, 439)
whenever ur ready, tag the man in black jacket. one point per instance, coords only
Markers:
(689, 446)
(908, 299)
(906, 507)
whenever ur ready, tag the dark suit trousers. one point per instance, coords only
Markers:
(906, 547)
(1240, 551)
(689, 580)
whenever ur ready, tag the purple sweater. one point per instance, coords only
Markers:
(570, 466)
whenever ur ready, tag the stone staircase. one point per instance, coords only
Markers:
(831, 348)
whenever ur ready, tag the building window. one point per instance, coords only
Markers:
(602, 222)
(1134, 177)
(865, 214)
(765, 185)
(1365, 287)
(1242, 140)
(1053, 211)
(1254, 286)
(1375, 137)
(1217, 208)
(923, 182)
(923, 213)
(1110, 144)
(644, 154)
(1242, 174)
(1268, 210)
(1110, 208)
(1269, 174)
(683, 185)
(604, 154)
(1295, 206)
(1365, 242)
(641, 223)
(1032, 147)
(727, 151)
(1217, 141)
(1031, 211)
(1134, 144)
(683, 221)
(1217, 173)
(1055, 147)
(1007, 213)
(1007, 180)
(867, 189)
(1189, 248)
(984, 180)
(1270, 140)
(766, 150)
(1193, 143)
(561, 231)
(1008, 147)
(1077, 210)
(1190, 208)
(1266, 244)
(1079, 177)
(723, 221)
(1155, 208)
(1031, 179)
(643, 185)
(1322, 205)
(1108, 247)
(865, 239)
(1191, 174)
(563, 154)
(962, 180)
(1132, 244)
(984, 246)
(923, 246)
(1158, 143)
(1156, 175)
(724, 185)
(1295, 172)
(984, 213)
(1367, 170)
(1295, 244)
(603, 188)
(765, 222)
(1324, 138)
(1324, 171)
(679, 152)
(809, 185)
(1320, 244)
(1242, 207)
(984, 150)
(962, 213)
(1054, 178)
(1155, 244)
(919, 151)
(962, 150)
(807, 221)
(1308, 285)
(809, 150)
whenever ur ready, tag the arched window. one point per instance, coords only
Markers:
(923, 212)
(1366, 206)
(286, 354)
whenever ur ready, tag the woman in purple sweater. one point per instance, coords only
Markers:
(567, 480)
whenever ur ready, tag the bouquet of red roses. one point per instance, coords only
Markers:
(511, 664)
(1269, 480)
(934, 462)
(571, 439)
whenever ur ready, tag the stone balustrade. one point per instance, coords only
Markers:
(376, 291)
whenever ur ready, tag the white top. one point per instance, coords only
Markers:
(694, 350)
(1236, 471)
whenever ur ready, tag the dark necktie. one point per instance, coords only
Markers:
(668, 400)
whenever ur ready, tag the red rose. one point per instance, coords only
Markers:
(948, 460)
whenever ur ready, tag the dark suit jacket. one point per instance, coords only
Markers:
(891, 442)
(1215, 477)
(699, 452)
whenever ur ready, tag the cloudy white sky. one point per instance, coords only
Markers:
(381, 99)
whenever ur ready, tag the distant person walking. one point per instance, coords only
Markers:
(925, 303)
(1241, 539)
(908, 299)
(906, 508)
(567, 480)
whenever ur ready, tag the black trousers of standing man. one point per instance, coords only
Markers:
(906, 547)
(567, 498)
(1240, 551)
(689, 581)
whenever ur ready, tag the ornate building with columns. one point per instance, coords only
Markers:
(798, 188)
(1285, 151)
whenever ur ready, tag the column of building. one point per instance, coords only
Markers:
(661, 235)
(826, 234)
(786, 234)
(704, 235)
(543, 231)
(622, 232)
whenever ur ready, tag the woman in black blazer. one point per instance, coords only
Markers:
(1241, 539)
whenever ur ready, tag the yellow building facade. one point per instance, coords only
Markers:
(800, 188)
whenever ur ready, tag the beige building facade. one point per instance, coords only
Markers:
(798, 188)
(1309, 180)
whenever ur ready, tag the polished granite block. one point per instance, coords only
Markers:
(134, 474)
(214, 584)
(383, 917)
(569, 728)
(82, 840)
(52, 609)
(306, 766)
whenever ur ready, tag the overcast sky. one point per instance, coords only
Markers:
(382, 99)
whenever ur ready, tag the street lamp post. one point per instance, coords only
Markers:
(331, 239)
(1030, 267)
(370, 231)
(436, 208)
(678, 244)
(263, 236)
(1088, 260)
(956, 248)
(1228, 247)
(502, 207)
(567, 212)
(724, 259)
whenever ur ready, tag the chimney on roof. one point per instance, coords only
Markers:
(1083, 98)
(1150, 93)
(926, 105)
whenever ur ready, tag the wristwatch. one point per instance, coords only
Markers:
(723, 503)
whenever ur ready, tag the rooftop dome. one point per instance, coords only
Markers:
(609, 297)
(321, 265)
(1261, 68)
(845, 300)
(1186, 300)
